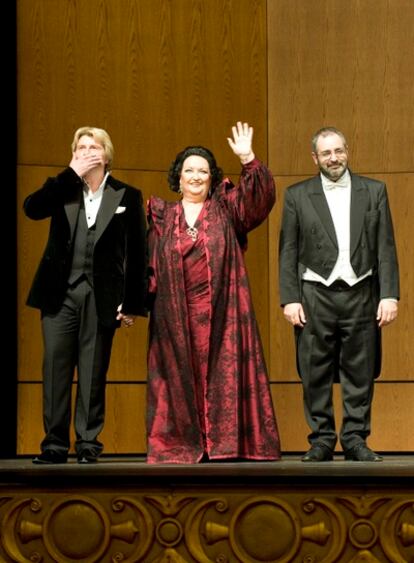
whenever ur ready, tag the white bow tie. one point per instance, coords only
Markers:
(341, 183)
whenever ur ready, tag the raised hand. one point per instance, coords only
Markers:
(83, 164)
(241, 144)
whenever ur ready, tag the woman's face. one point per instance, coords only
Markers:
(195, 178)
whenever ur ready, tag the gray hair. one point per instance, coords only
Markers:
(325, 132)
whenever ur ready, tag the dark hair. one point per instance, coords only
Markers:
(174, 172)
(324, 132)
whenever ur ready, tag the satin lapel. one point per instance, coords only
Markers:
(321, 207)
(110, 201)
(359, 200)
(72, 212)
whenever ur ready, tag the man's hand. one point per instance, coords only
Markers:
(387, 312)
(295, 314)
(84, 164)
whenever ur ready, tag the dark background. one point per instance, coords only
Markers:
(8, 404)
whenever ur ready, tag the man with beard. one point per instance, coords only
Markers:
(339, 285)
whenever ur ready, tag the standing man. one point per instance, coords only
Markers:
(339, 286)
(91, 279)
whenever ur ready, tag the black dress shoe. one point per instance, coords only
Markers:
(50, 456)
(361, 452)
(87, 456)
(318, 452)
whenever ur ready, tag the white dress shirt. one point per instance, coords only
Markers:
(338, 196)
(92, 201)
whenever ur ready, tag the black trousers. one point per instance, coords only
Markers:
(340, 339)
(73, 338)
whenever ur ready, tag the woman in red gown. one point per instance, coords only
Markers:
(208, 391)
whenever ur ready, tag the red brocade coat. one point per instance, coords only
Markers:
(208, 391)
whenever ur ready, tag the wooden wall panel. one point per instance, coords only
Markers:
(391, 416)
(282, 365)
(398, 338)
(347, 65)
(156, 74)
(124, 430)
(31, 240)
(330, 66)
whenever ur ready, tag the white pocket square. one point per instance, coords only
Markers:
(120, 209)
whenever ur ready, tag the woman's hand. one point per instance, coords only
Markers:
(241, 144)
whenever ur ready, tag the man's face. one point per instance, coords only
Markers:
(88, 147)
(331, 156)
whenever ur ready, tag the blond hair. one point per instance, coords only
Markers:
(101, 137)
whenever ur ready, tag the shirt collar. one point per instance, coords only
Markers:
(343, 182)
(98, 193)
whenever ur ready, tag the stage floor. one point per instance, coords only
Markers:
(122, 509)
(393, 467)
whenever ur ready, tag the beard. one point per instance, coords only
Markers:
(333, 172)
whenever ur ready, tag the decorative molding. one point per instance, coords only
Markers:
(207, 525)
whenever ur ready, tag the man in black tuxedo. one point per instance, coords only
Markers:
(339, 285)
(91, 278)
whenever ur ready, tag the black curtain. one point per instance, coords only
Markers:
(8, 319)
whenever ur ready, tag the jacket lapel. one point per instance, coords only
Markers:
(318, 199)
(110, 201)
(358, 209)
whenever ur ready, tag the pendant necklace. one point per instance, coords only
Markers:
(192, 232)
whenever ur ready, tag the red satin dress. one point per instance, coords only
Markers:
(208, 392)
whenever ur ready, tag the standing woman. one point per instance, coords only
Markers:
(208, 389)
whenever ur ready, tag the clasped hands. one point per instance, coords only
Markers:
(126, 320)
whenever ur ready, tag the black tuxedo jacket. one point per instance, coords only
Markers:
(119, 261)
(308, 239)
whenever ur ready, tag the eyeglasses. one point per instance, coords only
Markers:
(328, 154)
